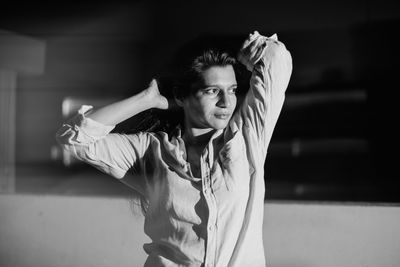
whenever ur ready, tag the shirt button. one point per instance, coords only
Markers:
(210, 227)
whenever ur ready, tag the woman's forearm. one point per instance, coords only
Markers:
(122, 110)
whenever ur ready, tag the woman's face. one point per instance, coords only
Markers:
(212, 104)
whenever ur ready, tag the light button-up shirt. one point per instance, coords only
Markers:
(212, 220)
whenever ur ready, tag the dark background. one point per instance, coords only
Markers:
(337, 136)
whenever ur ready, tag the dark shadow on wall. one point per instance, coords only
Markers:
(337, 137)
(378, 56)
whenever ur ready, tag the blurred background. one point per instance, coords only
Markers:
(331, 173)
(336, 139)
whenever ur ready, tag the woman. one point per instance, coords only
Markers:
(203, 186)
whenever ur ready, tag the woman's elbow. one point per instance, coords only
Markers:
(280, 67)
(65, 135)
(280, 53)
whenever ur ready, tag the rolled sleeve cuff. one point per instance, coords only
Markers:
(88, 128)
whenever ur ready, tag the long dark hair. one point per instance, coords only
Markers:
(185, 69)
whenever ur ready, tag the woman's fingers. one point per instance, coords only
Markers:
(260, 52)
(252, 37)
(255, 46)
(163, 102)
(252, 49)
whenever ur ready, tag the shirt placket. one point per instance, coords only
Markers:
(208, 192)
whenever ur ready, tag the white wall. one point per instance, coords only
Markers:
(331, 235)
(61, 231)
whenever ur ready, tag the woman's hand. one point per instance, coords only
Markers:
(252, 50)
(153, 95)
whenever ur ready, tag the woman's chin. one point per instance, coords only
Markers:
(220, 124)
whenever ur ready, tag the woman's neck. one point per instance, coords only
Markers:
(197, 136)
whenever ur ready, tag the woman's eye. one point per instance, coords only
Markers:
(233, 90)
(211, 91)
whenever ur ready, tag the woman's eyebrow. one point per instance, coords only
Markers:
(218, 86)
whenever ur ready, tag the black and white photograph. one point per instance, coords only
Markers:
(199, 133)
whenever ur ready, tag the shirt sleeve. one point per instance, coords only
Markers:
(113, 154)
(263, 102)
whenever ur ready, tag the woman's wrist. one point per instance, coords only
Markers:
(146, 98)
(153, 98)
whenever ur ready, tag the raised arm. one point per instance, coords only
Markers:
(86, 135)
(129, 107)
(271, 66)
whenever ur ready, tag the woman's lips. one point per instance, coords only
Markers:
(223, 116)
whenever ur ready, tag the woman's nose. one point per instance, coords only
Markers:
(224, 101)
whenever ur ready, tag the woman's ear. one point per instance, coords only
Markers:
(178, 98)
(178, 101)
